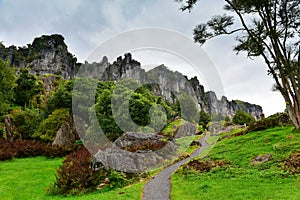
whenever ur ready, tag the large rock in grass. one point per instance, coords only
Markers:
(133, 142)
(136, 152)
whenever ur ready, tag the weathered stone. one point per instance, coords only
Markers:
(125, 161)
(66, 135)
(261, 159)
(186, 129)
(132, 141)
(49, 55)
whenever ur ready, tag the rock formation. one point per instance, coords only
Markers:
(167, 83)
(46, 55)
(66, 134)
(49, 55)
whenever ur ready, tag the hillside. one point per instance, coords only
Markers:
(241, 174)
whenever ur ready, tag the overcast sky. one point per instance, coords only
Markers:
(87, 24)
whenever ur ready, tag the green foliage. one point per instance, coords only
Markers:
(242, 117)
(279, 119)
(76, 177)
(105, 117)
(49, 126)
(145, 109)
(26, 122)
(227, 119)
(7, 83)
(272, 33)
(171, 128)
(62, 98)
(204, 119)
(27, 88)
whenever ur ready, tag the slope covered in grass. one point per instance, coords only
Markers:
(241, 179)
(28, 178)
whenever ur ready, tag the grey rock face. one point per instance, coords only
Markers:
(46, 55)
(169, 83)
(140, 141)
(126, 161)
(66, 135)
(49, 55)
(187, 129)
(119, 158)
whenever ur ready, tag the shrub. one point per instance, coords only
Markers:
(242, 117)
(204, 118)
(26, 122)
(205, 165)
(48, 128)
(26, 148)
(278, 119)
(293, 163)
(76, 177)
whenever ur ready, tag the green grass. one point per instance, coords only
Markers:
(28, 178)
(242, 180)
(173, 126)
(234, 184)
(212, 139)
(184, 143)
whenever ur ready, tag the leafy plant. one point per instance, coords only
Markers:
(48, 127)
(242, 117)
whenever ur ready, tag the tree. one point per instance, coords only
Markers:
(27, 88)
(242, 117)
(269, 29)
(204, 118)
(7, 84)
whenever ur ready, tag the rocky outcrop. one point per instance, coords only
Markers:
(133, 142)
(150, 154)
(167, 84)
(66, 135)
(49, 55)
(46, 55)
(186, 129)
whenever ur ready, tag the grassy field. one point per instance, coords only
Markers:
(28, 178)
(242, 180)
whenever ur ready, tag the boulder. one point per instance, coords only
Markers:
(136, 152)
(126, 161)
(186, 129)
(66, 134)
(133, 142)
(261, 159)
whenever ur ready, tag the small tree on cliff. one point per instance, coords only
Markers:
(269, 29)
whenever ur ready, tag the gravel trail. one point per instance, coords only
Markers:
(159, 187)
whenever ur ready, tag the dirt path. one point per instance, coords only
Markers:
(159, 187)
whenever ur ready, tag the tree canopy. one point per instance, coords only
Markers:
(266, 28)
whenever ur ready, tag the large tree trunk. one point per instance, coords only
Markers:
(292, 100)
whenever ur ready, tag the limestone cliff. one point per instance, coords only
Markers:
(168, 83)
(49, 55)
(46, 55)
